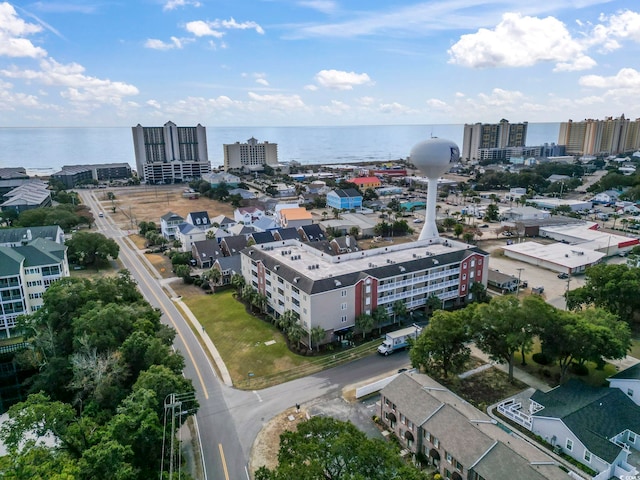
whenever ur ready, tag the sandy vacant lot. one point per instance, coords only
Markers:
(149, 203)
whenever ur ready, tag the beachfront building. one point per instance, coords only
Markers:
(170, 154)
(492, 135)
(26, 272)
(610, 136)
(308, 278)
(252, 155)
(72, 175)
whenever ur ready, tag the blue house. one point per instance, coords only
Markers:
(346, 199)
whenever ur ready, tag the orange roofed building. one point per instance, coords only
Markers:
(366, 182)
(295, 217)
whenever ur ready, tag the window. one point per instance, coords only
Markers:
(630, 392)
(436, 442)
(403, 419)
(632, 437)
(471, 274)
(343, 306)
(464, 276)
(569, 445)
(343, 319)
(448, 457)
(587, 456)
(343, 293)
(367, 289)
(473, 263)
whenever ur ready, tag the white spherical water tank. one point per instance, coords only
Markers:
(433, 157)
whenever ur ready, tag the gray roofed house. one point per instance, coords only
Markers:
(290, 233)
(459, 440)
(199, 220)
(223, 221)
(229, 266)
(628, 380)
(240, 229)
(11, 237)
(33, 194)
(26, 271)
(265, 223)
(311, 233)
(206, 252)
(245, 194)
(597, 426)
(233, 245)
(169, 223)
(262, 237)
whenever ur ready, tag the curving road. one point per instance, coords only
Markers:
(229, 419)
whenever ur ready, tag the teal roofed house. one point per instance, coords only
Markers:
(26, 271)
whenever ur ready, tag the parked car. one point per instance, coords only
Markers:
(484, 225)
(563, 275)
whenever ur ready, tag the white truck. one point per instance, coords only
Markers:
(397, 340)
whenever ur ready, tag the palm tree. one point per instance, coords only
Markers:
(615, 217)
(213, 276)
(364, 323)
(399, 309)
(238, 282)
(317, 335)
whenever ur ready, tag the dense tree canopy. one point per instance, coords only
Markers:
(104, 367)
(91, 249)
(328, 449)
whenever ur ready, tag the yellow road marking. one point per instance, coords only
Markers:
(224, 462)
(186, 346)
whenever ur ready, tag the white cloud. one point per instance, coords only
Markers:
(311, 87)
(520, 41)
(200, 28)
(366, 101)
(80, 87)
(279, 101)
(395, 108)
(623, 25)
(626, 78)
(262, 81)
(437, 104)
(177, 43)
(341, 80)
(173, 4)
(324, 6)
(153, 103)
(12, 32)
(336, 108)
(581, 62)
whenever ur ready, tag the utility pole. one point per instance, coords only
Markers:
(518, 287)
(173, 406)
(566, 295)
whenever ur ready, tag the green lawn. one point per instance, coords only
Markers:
(240, 337)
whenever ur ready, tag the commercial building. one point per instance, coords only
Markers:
(170, 154)
(252, 155)
(364, 183)
(345, 282)
(610, 136)
(488, 136)
(26, 271)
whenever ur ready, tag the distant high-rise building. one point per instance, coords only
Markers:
(610, 136)
(492, 135)
(170, 154)
(252, 155)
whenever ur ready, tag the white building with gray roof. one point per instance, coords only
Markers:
(297, 276)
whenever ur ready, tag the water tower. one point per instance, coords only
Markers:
(432, 158)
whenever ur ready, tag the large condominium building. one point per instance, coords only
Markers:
(170, 154)
(252, 155)
(492, 135)
(72, 175)
(330, 288)
(26, 271)
(610, 136)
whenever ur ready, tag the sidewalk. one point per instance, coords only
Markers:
(521, 375)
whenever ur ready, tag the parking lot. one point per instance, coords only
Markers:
(554, 287)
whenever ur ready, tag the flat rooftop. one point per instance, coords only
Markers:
(570, 256)
(299, 256)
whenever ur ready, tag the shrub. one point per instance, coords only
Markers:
(579, 369)
(541, 359)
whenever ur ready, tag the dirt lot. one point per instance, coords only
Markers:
(149, 203)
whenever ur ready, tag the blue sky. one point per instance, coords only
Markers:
(316, 62)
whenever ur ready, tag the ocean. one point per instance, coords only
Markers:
(43, 151)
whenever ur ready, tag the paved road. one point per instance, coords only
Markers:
(229, 419)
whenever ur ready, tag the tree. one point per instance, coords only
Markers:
(492, 213)
(238, 282)
(325, 448)
(458, 229)
(317, 335)
(499, 330)
(399, 309)
(380, 318)
(442, 348)
(364, 323)
(213, 276)
(478, 292)
(611, 287)
(183, 271)
(91, 249)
